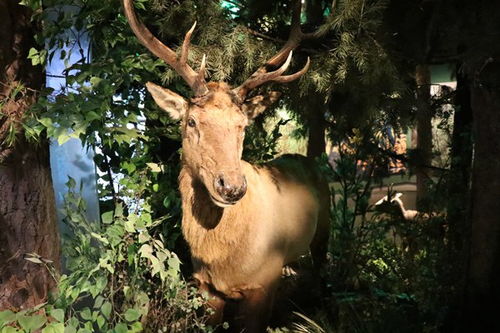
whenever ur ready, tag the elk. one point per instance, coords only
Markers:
(242, 222)
(396, 206)
(393, 205)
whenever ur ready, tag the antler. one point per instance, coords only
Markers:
(196, 80)
(296, 36)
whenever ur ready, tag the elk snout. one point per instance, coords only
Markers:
(231, 191)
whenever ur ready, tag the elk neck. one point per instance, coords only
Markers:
(196, 202)
(212, 232)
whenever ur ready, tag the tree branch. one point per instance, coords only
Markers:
(261, 35)
(406, 160)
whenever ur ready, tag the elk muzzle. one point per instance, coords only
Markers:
(230, 190)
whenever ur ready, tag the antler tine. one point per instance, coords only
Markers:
(294, 76)
(165, 53)
(294, 39)
(200, 77)
(261, 76)
(258, 78)
(275, 76)
(185, 45)
(201, 72)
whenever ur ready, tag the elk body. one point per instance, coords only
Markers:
(408, 219)
(395, 205)
(242, 222)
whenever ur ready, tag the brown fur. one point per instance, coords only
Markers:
(239, 251)
(242, 223)
(239, 247)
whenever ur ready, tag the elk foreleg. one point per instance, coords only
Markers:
(319, 244)
(215, 305)
(252, 311)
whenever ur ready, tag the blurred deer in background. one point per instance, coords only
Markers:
(409, 221)
(392, 205)
(243, 222)
(395, 206)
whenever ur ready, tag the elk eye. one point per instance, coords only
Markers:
(191, 122)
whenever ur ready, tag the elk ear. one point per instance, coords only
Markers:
(258, 104)
(174, 104)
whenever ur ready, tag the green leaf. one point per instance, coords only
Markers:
(105, 263)
(130, 167)
(154, 167)
(146, 251)
(86, 314)
(91, 115)
(166, 202)
(31, 323)
(136, 327)
(62, 138)
(99, 237)
(95, 80)
(84, 330)
(7, 316)
(71, 325)
(119, 210)
(9, 329)
(100, 321)
(58, 314)
(115, 234)
(132, 315)
(71, 183)
(129, 226)
(174, 263)
(69, 329)
(54, 328)
(144, 237)
(121, 328)
(106, 309)
(107, 217)
(34, 56)
(47, 122)
(98, 302)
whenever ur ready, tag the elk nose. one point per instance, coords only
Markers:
(229, 191)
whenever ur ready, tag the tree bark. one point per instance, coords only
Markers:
(315, 106)
(482, 294)
(315, 110)
(461, 157)
(424, 132)
(453, 270)
(27, 206)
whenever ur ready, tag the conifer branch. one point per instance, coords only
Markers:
(261, 35)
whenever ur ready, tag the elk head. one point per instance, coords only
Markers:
(213, 121)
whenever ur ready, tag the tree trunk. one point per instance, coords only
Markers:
(458, 210)
(27, 207)
(315, 106)
(482, 294)
(461, 159)
(314, 111)
(424, 131)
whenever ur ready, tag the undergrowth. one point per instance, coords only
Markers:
(120, 278)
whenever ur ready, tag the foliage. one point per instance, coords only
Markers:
(123, 274)
(260, 144)
(8, 138)
(384, 272)
(121, 278)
